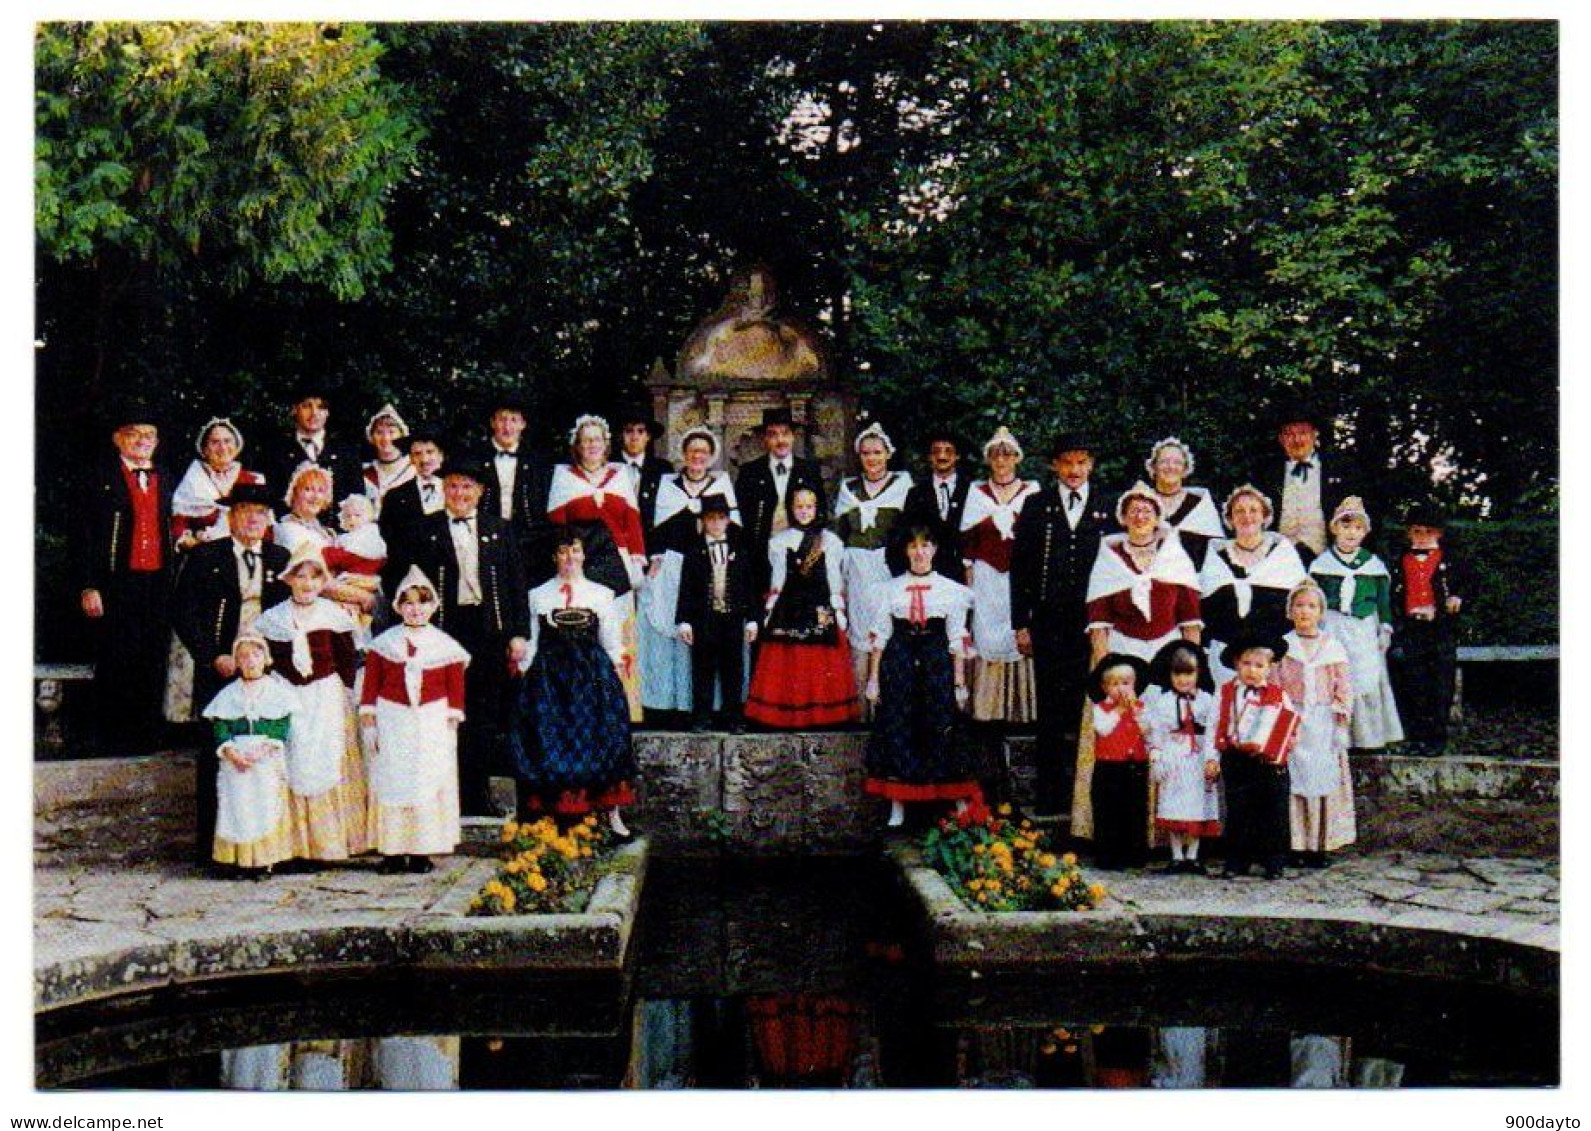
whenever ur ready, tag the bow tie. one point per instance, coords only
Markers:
(1253, 692)
(251, 561)
(1073, 499)
(779, 469)
(465, 521)
(1301, 471)
(506, 455)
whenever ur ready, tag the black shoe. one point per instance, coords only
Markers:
(1234, 871)
(701, 726)
(418, 865)
(1314, 859)
(1196, 868)
(390, 865)
(299, 867)
(1273, 871)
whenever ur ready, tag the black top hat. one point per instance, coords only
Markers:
(1070, 442)
(1234, 651)
(128, 410)
(507, 400)
(1160, 666)
(256, 493)
(1296, 410)
(469, 470)
(1096, 679)
(715, 504)
(303, 388)
(1425, 513)
(637, 414)
(777, 416)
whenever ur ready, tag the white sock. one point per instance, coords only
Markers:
(897, 814)
(616, 823)
(1192, 848)
(1176, 846)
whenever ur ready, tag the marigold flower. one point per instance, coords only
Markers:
(1070, 859)
(978, 850)
(1047, 860)
(1096, 892)
(536, 881)
(1004, 810)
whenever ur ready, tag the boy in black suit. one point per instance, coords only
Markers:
(1429, 582)
(717, 614)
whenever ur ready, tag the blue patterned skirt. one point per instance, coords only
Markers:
(915, 752)
(571, 725)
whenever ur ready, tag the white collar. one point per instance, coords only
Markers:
(505, 451)
(240, 549)
(943, 480)
(452, 518)
(132, 465)
(1312, 461)
(317, 438)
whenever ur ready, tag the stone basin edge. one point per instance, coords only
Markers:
(440, 937)
(1518, 956)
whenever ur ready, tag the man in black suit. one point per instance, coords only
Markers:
(222, 587)
(516, 484)
(309, 441)
(409, 502)
(1057, 539)
(1304, 484)
(936, 501)
(765, 484)
(473, 558)
(717, 614)
(637, 430)
(126, 553)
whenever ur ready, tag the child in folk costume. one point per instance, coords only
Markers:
(917, 681)
(570, 740)
(251, 717)
(1429, 581)
(1002, 678)
(717, 614)
(312, 647)
(356, 557)
(865, 513)
(410, 708)
(1120, 782)
(1180, 718)
(666, 661)
(1315, 675)
(1255, 731)
(1359, 614)
(804, 674)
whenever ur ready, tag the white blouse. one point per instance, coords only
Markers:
(578, 594)
(938, 597)
(783, 542)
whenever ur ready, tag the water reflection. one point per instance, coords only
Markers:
(393, 1064)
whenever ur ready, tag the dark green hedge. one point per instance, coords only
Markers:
(1514, 568)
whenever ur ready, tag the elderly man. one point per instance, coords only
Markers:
(765, 485)
(1057, 539)
(473, 557)
(222, 588)
(126, 563)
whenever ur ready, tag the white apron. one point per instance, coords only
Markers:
(416, 750)
(249, 803)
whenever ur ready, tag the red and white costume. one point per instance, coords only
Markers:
(379, 478)
(1143, 610)
(1182, 742)
(355, 558)
(1266, 718)
(1002, 678)
(1118, 736)
(413, 694)
(195, 505)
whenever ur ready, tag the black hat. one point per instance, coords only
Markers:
(1160, 666)
(777, 416)
(637, 414)
(129, 410)
(1096, 679)
(256, 493)
(507, 400)
(305, 387)
(1295, 411)
(1234, 651)
(1070, 442)
(714, 504)
(424, 435)
(1425, 513)
(941, 435)
(469, 470)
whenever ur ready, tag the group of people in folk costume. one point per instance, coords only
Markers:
(1190, 667)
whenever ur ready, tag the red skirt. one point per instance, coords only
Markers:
(574, 802)
(1188, 828)
(796, 686)
(924, 791)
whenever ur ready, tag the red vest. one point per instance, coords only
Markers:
(146, 554)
